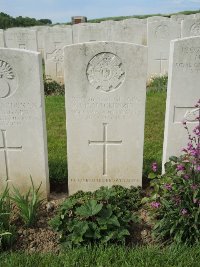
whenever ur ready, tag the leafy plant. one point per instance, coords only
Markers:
(157, 83)
(28, 203)
(175, 197)
(52, 87)
(106, 215)
(7, 231)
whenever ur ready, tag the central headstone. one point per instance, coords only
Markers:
(105, 105)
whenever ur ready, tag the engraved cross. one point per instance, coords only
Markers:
(5, 148)
(57, 56)
(105, 143)
(161, 59)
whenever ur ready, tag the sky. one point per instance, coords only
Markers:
(62, 10)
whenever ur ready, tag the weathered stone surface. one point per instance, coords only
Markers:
(178, 18)
(41, 31)
(191, 27)
(129, 31)
(159, 36)
(156, 18)
(89, 32)
(2, 42)
(55, 40)
(183, 93)
(21, 38)
(23, 144)
(105, 106)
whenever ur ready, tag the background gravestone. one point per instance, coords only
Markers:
(105, 106)
(159, 36)
(21, 38)
(129, 31)
(191, 27)
(182, 94)
(23, 140)
(40, 31)
(2, 42)
(89, 32)
(55, 39)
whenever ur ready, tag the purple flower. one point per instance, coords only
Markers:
(186, 177)
(154, 167)
(155, 204)
(194, 187)
(198, 168)
(168, 186)
(180, 167)
(184, 211)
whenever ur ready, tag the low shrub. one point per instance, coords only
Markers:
(175, 198)
(157, 83)
(52, 87)
(104, 216)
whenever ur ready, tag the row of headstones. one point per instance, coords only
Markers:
(155, 32)
(105, 107)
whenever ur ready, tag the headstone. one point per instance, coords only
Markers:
(191, 27)
(41, 31)
(178, 18)
(156, 18)
(159, 36)
(55, 40)
(89, 32)
(21, 38)
(2, 42)
(129, 31)
(78, 19)
(182, 94)
(105, 105)
(23, 140)
(135, 20)
(197, 16)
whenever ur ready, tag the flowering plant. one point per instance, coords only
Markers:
(175, 197)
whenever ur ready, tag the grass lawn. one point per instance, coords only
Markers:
(55, 113)
(111, 256)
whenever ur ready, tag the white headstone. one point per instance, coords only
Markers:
(41, 31)
(182, 94)
(191, 27)
(130, 32)
(159, 36)
(179, 17)
(55, 40)
(156, 18)
(23, 140)
(2, 42)
(89, 32)
(21, 38)
(105, 107)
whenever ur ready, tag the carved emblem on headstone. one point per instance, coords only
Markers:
(105, 72)
(8, 79)
(162, 31)
(195, 29)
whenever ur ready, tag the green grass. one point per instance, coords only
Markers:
(154, 126)
(112, 256)
(56, 132)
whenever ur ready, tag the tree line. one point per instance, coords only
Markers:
(7, 21)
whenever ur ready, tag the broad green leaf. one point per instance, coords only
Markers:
(91, 208)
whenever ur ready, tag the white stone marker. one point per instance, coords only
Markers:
(156, 19)
(21, 38)
(129, 31)
(182, 94)
(190, 27)
(105, 107)
(159, 36)
(89, 32)
(23, 140)
(2, 41)
(55, 40)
